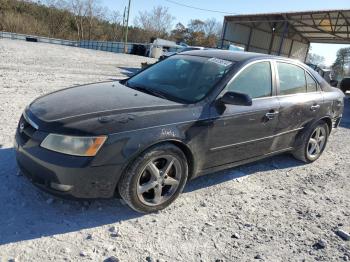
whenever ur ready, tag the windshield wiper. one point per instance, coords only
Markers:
(148, 90)
(157, 93)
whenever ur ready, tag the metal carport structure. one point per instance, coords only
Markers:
(286, 34)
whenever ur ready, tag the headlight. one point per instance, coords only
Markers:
(74, 145)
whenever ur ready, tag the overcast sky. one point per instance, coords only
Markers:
(184, 14)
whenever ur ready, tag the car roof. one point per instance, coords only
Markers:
(240, 56)
(195, 46)
(235, 56)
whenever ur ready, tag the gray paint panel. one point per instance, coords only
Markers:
(260, 39)
(237, 33)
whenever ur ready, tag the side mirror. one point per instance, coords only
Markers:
(239, 99)
(333, 83)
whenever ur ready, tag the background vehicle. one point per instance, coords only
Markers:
(188, 48)
(192, 114)
(325, 73)
(345, 84)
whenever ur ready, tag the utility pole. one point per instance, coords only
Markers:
(127, 29)
(123, 28)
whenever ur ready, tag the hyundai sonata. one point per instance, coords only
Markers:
(191, 114)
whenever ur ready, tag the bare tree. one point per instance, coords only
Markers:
(57, 17)
(315, 59)
(78, 8)
(179, 33)
(212, 27)
(157, 21)
(203, 33)
(66, 19)
(94, 13)
(116, 19)
(196, 25)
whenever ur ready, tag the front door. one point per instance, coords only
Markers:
(242, 132)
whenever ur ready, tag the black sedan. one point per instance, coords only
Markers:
(191, 114)
(345, 84)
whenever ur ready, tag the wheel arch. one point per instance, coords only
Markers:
(178, 143)
(328, 121)
(300, 136)
(188, 153)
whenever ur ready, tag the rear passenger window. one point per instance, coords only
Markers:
(255, 81)
(311, 83)
(292, 79)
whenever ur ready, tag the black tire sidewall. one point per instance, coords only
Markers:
(129, 181)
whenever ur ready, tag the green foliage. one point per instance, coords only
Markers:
(342, 63)
(198, 33)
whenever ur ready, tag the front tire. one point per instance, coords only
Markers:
(154, 179)
(313, 144)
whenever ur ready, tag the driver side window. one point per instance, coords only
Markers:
(255, 81)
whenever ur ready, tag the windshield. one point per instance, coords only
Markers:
(181, 78)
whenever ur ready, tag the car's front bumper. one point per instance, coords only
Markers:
(63, 175)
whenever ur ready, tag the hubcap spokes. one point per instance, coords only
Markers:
(316, 142)
(159, 180)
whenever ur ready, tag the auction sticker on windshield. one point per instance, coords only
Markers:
(220, 61)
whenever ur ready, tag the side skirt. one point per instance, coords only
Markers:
(242, 162)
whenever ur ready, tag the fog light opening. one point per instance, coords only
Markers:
(60, 187)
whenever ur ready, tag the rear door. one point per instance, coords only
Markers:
(242, 132)
(300, 99)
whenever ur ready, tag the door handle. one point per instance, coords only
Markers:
(271, 115)
(314, 107)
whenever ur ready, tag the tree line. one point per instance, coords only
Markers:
(341, 65)
(89, 20)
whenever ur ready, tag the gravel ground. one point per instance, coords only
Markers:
(274, 210)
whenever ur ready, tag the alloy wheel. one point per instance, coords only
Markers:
(159, 180)
(316, 143)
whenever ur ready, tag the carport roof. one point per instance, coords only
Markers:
(325, 26)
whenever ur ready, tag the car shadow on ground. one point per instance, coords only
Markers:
(28, 213)
(280, 162)
(129, 71)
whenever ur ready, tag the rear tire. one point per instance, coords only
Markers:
(313, 144)
(154, 179)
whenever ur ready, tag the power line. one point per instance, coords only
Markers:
(198, 8)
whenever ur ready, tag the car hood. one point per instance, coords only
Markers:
(86, 101)
(104, 108)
